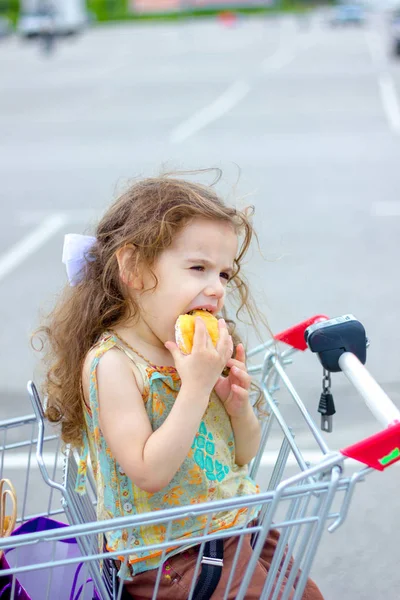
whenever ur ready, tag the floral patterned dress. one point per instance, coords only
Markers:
(209, 471)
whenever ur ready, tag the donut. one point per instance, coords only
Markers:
(184, 329)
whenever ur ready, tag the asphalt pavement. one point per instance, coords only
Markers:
(304, 121)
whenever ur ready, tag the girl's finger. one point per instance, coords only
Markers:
(229, 348)
(173, 348)
(209, 343)
(222, 327)
(232, 362)
(200, 333)
(240, 354)
(242, 377)
(239, 392)
(225, 340)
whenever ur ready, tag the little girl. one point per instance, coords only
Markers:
(126, 395)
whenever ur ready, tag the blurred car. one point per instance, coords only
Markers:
(60, 17)
(395, 32)
(348, 13)
(35, 23)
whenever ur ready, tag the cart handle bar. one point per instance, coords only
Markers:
(381, 450)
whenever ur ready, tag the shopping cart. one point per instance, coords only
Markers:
(300, 505)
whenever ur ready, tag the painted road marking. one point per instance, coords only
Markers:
(385, 209)
(389, 101)
(23, 249)
(223, 104)
(387, 88)
(233, 94)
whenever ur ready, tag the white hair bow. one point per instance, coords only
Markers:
(75, 255)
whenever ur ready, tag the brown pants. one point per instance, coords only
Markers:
(177, 574)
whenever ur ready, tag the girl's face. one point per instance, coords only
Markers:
(192, 273)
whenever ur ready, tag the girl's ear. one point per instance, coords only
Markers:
(128, 268)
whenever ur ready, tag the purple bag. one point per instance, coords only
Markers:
(65, 582)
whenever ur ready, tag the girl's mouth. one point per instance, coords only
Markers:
(206, 308)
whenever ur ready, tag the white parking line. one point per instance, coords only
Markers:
(386, 83)
(278, 60)
(390, 101)
(236, 92)
(32, 242)
(73, 216)
(385, 209)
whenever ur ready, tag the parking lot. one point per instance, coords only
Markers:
(304, 121)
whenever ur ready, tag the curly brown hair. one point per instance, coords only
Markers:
(147, 215)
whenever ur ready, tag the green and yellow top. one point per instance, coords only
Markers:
(208, 473)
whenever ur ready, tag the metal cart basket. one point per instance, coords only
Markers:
(300, 505)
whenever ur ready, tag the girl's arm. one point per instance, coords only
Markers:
(150, 459)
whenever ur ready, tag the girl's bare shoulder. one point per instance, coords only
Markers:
(111, 360)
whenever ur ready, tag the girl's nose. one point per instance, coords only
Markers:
(215, 290)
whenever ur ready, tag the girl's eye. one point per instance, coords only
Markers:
(200, 268)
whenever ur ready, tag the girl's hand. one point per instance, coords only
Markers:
(204, 365)
(233, 390)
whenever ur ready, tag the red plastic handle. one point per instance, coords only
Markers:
(378, 451)
(294, 336)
